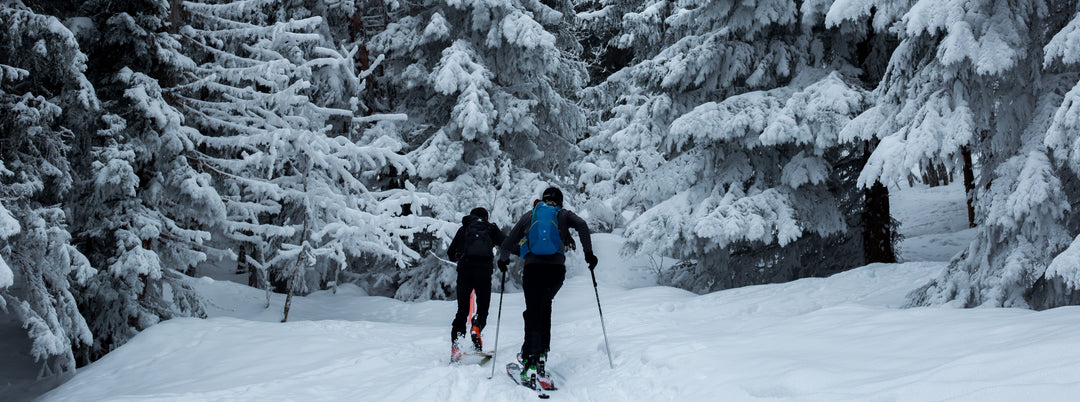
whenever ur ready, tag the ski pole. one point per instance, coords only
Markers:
(498, 319)
(602, 326)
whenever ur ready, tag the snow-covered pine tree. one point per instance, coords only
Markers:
(723, 140)
(1058, 284)
(992, 76)
(142, 212)
(597, 27)
(45, 102)
(489, 88)
(298, 193)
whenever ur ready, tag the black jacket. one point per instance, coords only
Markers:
(565, 220)
(456, 250)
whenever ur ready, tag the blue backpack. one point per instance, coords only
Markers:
(543, 236)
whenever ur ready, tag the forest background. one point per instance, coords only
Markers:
(315, 142)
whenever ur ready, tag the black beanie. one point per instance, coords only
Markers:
(479, 212)
(553, 195)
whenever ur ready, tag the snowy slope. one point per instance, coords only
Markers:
(841, 338)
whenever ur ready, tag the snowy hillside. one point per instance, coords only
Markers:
(820, 339)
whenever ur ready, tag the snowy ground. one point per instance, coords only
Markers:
(841, 338)
(933, 221)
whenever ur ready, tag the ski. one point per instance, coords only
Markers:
(478, 358)
(514, 371)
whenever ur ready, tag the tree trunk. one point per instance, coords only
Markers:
(299, 273)
(176, 16)
(362, 58)
(288, 304)
(944, 176)
(877, 225)
(929, 175)
(244, 266)
(969, 185)
(288, 299)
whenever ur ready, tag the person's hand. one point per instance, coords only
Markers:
(503, 264)
(591, 259)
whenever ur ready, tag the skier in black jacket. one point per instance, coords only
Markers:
(541, 279)
(471, 249)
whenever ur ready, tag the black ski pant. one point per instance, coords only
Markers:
(469, 279)
(540, 282)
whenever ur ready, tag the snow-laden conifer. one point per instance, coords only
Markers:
(45, 102)
(489, 88)
(1062, 276)
(8, 227)
(142, 212)
(301, 205)
(722, 141)
(970, 75)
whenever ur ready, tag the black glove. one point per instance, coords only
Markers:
(503, 264)
(591, 259)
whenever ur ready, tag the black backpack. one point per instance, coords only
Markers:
(478, 240)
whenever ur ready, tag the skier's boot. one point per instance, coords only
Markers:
(542, 378)
(455, 354)
(541, 361)
(477, 343)
(528, 372)
(455, 351)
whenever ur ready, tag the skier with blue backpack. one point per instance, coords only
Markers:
(542, 235)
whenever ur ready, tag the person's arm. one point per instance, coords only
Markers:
(497, 236)
(584, 234)
(582, 228)
(509, 244)
(453, 253)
